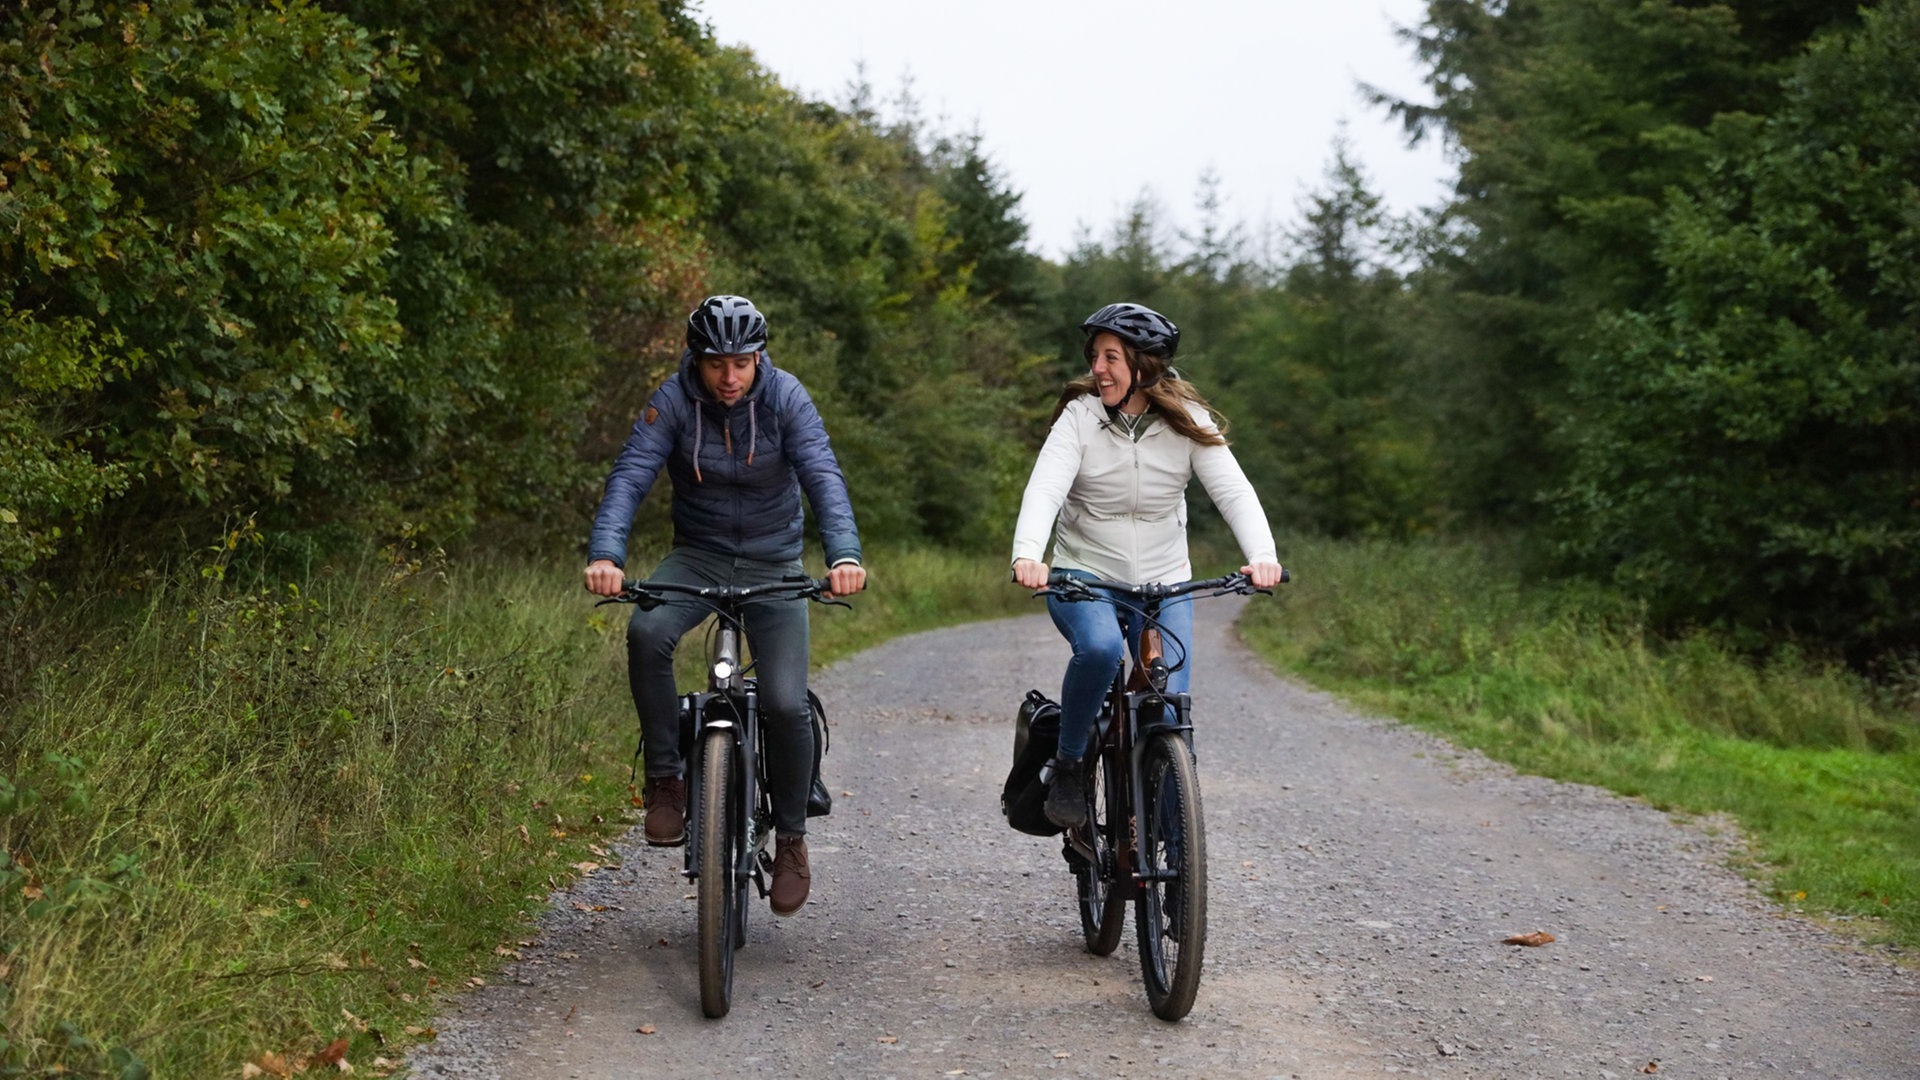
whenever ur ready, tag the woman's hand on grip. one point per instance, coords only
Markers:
(1030, 573)
(1263, 575)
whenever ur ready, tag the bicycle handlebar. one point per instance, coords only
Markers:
(1069, 588)
(634, 591)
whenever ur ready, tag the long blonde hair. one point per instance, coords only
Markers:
(1167, 394)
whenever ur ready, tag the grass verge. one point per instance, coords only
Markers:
(275, 824)
(1820, 768)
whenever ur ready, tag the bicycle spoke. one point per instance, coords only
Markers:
(1102, 915)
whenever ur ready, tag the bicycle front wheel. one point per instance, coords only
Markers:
(1170, 916)
(719, 898)
(1103, 916)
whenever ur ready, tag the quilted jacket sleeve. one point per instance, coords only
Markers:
(634, 472)
(805, 437)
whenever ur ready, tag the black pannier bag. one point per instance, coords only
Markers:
(819, 799)
(1036, 737)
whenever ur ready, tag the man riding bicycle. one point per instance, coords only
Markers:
(741, 440)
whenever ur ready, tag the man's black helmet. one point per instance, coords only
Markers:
(726, 326)
(1141, 327)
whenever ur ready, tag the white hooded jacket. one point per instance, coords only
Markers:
(1121, 506)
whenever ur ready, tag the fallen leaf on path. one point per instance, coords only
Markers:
(1536, 937)
(888, 1039)
(1651, 1067)
(334, 1054)
(645, 1029)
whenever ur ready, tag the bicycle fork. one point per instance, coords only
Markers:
(1148, 715)
(756, 861)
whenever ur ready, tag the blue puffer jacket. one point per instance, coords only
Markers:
(737, 471)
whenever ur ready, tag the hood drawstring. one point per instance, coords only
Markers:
(726, 431)
(698, 427)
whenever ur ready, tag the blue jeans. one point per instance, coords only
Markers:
(1099, 646)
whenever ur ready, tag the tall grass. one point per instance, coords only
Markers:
(1820, 767)
(240, 822)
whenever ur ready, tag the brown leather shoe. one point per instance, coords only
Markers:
(666, 801)
(790, 875)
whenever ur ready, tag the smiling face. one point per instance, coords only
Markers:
(1107, 363)
(728, 378)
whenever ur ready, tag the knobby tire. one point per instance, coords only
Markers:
(719, 899)
(1170, 916)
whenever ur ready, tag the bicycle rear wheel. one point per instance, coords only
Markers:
(1170, 916)
(719, 895)
(1102, 915)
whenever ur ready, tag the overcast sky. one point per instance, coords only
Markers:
(1083, 105)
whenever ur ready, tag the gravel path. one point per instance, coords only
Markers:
(1363, 876)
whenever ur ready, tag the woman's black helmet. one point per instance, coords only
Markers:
(726, 326)
(1141, 327)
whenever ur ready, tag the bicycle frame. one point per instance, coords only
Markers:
(741, 818)
(1138, 707)
(1143, 839)
(731, 703)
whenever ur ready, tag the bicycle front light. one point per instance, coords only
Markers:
(723, 669)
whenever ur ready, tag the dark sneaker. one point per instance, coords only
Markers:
(666, 801)
(1067, 797)
(790, 875)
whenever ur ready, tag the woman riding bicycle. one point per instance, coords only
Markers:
(741, 440)
(1110, 485)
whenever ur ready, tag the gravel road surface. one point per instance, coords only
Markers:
(1363, 877)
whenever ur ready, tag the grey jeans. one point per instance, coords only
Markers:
(777, 636)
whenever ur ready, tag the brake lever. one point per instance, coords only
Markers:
(643, 601)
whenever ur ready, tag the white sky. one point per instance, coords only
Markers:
(1083, 105)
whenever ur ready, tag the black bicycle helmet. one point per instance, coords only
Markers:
(1141, 327)
(726, 326)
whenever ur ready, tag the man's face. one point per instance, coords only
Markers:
(728, 378)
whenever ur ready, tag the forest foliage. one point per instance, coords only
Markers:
(350, 269)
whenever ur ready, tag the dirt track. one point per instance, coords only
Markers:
(1363, 876)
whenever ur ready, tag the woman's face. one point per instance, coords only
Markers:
(1108, 365)
(728, 378)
